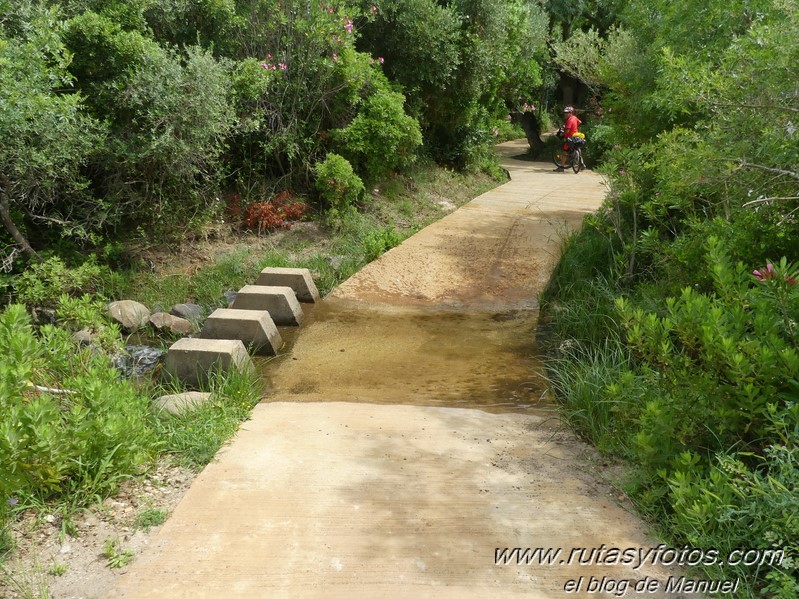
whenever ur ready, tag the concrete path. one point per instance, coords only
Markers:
(408, 435)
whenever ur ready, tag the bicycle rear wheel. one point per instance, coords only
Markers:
(577, 160)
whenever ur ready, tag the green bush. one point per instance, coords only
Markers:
(67, 422)
(167, 165)
(338, 185)
(721, 361)
(169, 118)
(460, 65)
(741, 502)
(48, 139)
(699, 392)
(43, 283)
(381, 138)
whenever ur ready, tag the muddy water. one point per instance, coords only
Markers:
(355, 351)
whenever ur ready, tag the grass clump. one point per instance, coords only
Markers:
(194, 436)
(116, 556)
(149, 518)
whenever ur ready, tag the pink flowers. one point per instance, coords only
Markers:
(528, 108)
(769, 274)
(348, 26)
(766, 274)
(335, 56)
(381, 60)
(267, 64)
(328, 9)
(374, 9)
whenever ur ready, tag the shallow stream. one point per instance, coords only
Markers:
(355, 351)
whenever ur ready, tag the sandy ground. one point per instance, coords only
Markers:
(408, 436)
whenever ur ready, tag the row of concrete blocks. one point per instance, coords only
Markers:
(250, 323)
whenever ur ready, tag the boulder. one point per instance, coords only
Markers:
(230, 297)
(84, 337)
(136, 361)
(190, 312)
(131, 315)
(162, 320)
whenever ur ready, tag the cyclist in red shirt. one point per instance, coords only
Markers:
(570, 128)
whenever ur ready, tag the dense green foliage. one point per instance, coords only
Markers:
(676, 308)
(138, 118)
(67, 419)
(337, 183)
(71, 429)
(462, 65)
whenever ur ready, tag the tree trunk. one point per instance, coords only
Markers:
(532, 130)
(8, 223)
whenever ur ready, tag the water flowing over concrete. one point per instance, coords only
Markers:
(408, 434)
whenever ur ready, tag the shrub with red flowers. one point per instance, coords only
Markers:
(277, 213)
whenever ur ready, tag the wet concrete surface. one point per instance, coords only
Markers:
(353, 352)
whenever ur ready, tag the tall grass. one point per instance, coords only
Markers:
(193, 437)
(580, 378)
(579, 299)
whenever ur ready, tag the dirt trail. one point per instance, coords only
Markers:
(408, 435)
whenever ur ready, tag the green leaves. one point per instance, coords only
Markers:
(381, 137)
(47, 139)
(65, 417)
(337, 183)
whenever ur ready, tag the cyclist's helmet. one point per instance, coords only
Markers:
(569, 109)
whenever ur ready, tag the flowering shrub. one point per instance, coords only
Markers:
(769, 274)
(718, 361)
(274, 214)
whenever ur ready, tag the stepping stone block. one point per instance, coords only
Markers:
(280, 302)
(181, 402)
(299, 279)
(254, 328)
(190, 360)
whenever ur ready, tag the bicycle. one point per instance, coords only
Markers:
(574, 156)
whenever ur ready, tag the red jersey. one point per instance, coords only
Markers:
(572, 124)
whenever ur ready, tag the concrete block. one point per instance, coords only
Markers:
(299, 279)
(254, 328)
(280, 302)
(181, 402)
(190, 360)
